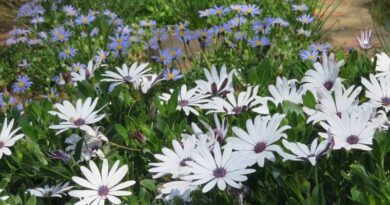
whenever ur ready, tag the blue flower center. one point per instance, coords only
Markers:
(259, 147)
(386, 101)
(103, 191)
(353, 139)
(219, 172)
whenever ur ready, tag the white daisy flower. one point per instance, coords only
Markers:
(324, 77)
(378, 90)
(382, 64)
(181, 189)
(364, 41)
(217, 168)
(216, 85)
(7, 138)
(85, 73)
(101, 185)
(220, 129)
(351, 131)
(174, 161)
(145, 83)
(165, 97)
(90, 148)
(302, 152)
(127, 75)
(262, 109)
(245, 101)
(76, 117)
(257, 144)
(344, 101)
(207, 139)
(47, 191)
(188, 99)
(285, 90)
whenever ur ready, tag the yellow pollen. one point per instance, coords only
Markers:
(258, 43)
(119, 47)
(61, 36)
(67, 51)
(119, 40)
(171, 76)
(21, 84)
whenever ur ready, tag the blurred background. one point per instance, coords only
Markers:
(345, 18)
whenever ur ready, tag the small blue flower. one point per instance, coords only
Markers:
(119, 43)
(85, 20)
(22, 83)
(237, 21)
(68, 52)
(300, 7)
(52, 95)
(256, 41)
(251, 10)
(175, 53)
(101, 56)
(69, 10)
(163, 57)
(260, 27)
(320, 47)
(309, 55)
(60, 34)
(173, 74)
(24, 64)
(76, 67)
(239, 35)
(305, 19)
(219, 11)
(148, 23)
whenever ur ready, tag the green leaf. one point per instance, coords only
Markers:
(318, 195)
(290, 107)
(122, 131)
(309, 100)
(32, 201)
(148, 184)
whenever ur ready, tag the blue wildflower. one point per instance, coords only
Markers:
(119, 43)
(148, 23)
(101, 56)
(69, 10)
(22, 83)
(68, 52)
(260, 27)
(219, 11)
(60, 34)
(239, 35)
(206, 13)
(175, 53)
(320, 47)
(85, 20)
(173, 74)
(305, 19)
(24, 64)
(237, 21)
(256, 41)
(300, 7)
(308, 55)
(76, 67)
(251, 10)
(163, 57)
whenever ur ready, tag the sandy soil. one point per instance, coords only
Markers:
(348, 19)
